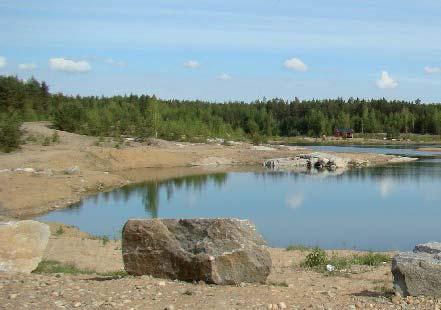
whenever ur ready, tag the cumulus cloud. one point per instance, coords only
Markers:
(191, 64)
(295, 64)
(2, 61)
(27, 66)
(115, 63)
(386, 82)
(430, 70)
(295, 201)
(68, 65)
(225, 77)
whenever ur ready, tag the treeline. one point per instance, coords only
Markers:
(146, 116)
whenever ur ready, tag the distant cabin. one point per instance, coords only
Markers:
(344, 132)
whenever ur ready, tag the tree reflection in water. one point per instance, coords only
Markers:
(150, 191)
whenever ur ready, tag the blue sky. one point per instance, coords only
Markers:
(227, 50)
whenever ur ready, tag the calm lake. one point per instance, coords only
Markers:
(383, 208)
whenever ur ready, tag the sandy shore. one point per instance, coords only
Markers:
(289, 284)
(42, 184)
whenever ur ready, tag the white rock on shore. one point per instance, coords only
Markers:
(22, 245)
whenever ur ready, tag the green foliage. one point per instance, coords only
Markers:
(10, 133)
(147, 116)
(298, 247)
(50, 266)
(316, 258)
(371, 259)
(59, 231)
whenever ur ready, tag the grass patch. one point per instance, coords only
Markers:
(298, 247)
(318, 259)
(51, 266)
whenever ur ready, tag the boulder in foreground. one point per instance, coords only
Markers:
(22, 245)
(219, 251)
(418, 273)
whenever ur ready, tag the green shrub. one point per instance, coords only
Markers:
(371, 259)
(59, 231)
(298, 247)
(319, 259)
(10, 133)
(316, 258)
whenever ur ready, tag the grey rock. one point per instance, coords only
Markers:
(72, 170)
(219, 251)
(417, 274)
(308, 161)
(429, 247)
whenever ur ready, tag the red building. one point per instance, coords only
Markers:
(344, 132)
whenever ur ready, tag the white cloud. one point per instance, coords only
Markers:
(386, 82)
(386, 186)
(429, 70)
(68, 65)
(27, 66)
(295, 64)
(114, 62)
(2, 61)
(225, 77)
(295, 201)
(191, 64)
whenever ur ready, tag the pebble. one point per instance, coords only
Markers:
(13, 296)
(281, 305)
(161, 283)
(77, 305)
(170, 307)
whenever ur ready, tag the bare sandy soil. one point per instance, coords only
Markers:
(360, 287)
(43, 184)
(46, 186)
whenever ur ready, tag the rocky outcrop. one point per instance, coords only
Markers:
(418, 273)
(22, 245)
(219, 251)
(308, 161)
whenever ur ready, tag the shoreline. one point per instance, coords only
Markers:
(38, 179)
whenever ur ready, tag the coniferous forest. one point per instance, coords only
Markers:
(145, 116)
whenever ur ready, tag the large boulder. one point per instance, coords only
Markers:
(419, 272)
(219, 251)
(22, 245)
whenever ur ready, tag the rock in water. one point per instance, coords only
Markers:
(219, 251)
(418, 273)
(22, 244)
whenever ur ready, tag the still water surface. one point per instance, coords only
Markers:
(383, 208)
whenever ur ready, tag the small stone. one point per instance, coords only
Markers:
(13, 296)
(396, 299)
(161, 283)
(170, 307)
(281, 305)
(77, 305)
